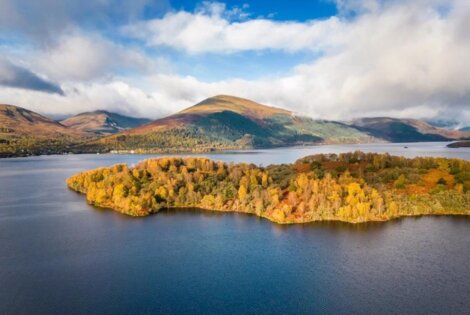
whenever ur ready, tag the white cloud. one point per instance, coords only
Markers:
(78, 56)
(234, 13)
(210, 30)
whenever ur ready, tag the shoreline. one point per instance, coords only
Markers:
(331, 220)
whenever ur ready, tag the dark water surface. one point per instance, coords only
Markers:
(60, 255)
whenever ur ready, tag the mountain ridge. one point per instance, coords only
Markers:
(102, 122)
(217, 123)
(405, 129)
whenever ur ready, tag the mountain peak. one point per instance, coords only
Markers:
(225, 98)
(97, 112)
(221, 103)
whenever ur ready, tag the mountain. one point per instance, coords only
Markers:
(228, 122)
(466, 129)
(101, 122)
(218, 123)
(405, 130)
(24, 132)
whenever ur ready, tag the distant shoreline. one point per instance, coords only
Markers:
(210, 151)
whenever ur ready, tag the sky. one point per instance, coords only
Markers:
(328, 59)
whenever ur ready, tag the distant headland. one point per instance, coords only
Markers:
(459, 144)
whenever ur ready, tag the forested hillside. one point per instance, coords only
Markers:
(353, 187)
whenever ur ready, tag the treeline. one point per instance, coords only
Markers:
(217, 132)
(352, 187)
(30, 145)
(171, 140)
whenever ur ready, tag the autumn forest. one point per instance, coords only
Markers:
(351, 187)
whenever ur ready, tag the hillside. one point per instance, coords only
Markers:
(102, 122)
(24, 132)
(228, 122)
(405, 130)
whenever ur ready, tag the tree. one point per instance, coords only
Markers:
(264, 180)
(302, 182)
(242, 192)
(400, 182)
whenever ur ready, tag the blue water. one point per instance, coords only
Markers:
(60, 255)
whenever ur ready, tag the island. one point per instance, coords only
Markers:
(351, 187)
(459, 144)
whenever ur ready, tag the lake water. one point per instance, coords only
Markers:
(60, 255)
